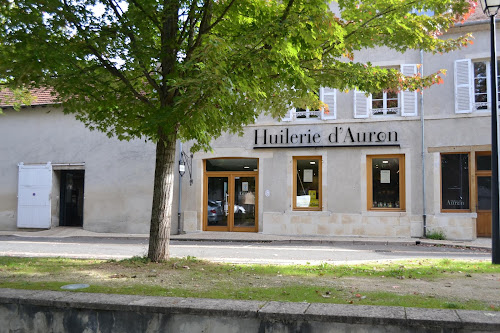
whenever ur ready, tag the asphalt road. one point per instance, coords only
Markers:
(264, 253)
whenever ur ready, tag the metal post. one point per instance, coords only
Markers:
(422, 124)
(495, 257)
(179, 209)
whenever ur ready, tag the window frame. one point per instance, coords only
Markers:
(476, 105)
(407, 100)
(323, 94)
(402, 183)
(384, 110)
(320, 184)
(441, 183)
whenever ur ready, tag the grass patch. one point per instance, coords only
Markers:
(437, 234)
(391, 284)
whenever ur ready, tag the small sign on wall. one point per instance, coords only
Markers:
(308, 175)
(244, 186)
(385, 176)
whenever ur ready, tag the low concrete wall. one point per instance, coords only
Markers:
(53, 311)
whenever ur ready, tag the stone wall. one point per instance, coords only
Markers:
(389, 224)
(53, 311)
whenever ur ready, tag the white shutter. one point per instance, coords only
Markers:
(463, 86)
(33, 199)
(329, 97)
(408, 98)
(361, 104)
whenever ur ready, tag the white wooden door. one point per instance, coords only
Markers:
(33, 196)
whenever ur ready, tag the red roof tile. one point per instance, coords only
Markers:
(42, 96)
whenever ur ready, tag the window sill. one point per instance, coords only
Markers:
(309, 212)
(307, 120)
(456, 211)
(385, 212)
(306, 210)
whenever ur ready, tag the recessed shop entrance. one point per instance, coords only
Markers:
(230, 195)
(483, 192)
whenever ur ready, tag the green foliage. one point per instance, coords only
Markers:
(140, 68)
(436, 234)
(16, 98)
(135, 260)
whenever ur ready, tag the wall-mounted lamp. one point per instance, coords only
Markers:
(186, 160)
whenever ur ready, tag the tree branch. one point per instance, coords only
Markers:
(151, 18)
(169, 48)
(219, 18)
(387, 11)
(205, 26)
(287, 11)
(133, 44)
(107, 65)
(188, 22)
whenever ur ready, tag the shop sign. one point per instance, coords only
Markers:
(337, 136)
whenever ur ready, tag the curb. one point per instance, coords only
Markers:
(306, 241)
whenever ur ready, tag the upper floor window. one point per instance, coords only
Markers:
(301, 113)
(387, 103)
(329, 111)
(472, 85)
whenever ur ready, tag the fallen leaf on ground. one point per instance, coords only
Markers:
(117, 276)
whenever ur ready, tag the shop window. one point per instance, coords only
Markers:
(455, 192)
(386, 182)
(307, 183)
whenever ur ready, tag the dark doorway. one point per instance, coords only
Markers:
(71, 203)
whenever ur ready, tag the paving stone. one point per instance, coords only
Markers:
(33, 297)
(98, 301)
(359, 314)
(480, 320)
(14, 295)
(220, 307)
(283, 310)
(419, 317)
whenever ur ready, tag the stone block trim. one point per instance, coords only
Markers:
(53, 311)
(336, 224)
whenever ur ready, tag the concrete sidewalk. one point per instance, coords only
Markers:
(251, 237)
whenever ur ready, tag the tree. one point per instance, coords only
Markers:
(192, 70)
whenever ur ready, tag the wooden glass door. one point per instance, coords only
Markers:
(483, 206)
(230, 199)
(244, 203)
(483, 192)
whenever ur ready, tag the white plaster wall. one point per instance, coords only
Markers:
(118, 175)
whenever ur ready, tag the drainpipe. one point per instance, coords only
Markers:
(179, 208)
(422, 124)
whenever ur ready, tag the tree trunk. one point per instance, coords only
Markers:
(161, 214)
